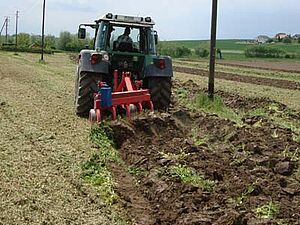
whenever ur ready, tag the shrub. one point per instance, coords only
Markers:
(23, 40)
(201, 52)
(290, 56)
(25, 49)
(264, 52)
(287, 40)
(176, 52)
(182, 51)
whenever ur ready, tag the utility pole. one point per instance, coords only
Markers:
(2, 27)
(211, 79)
(43, 30)
(17, 17)
(2, 30)
(6, 29)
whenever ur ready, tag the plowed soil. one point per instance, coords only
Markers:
(234, 157)
(292, 85)
(292, 67)
(276, 66)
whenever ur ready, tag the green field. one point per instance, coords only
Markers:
(234, 48)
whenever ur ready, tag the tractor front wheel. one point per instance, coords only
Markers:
(86, 84)
(160, 90)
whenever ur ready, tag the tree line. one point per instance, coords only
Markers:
(65, 42)
(176, 51)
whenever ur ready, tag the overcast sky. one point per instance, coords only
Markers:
(188, 19)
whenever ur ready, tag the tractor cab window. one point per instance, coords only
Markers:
(124, 39)
(151, 41)
(101, 36)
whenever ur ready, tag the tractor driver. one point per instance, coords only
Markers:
(124, 42)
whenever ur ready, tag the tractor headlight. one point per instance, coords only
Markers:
(105, 57)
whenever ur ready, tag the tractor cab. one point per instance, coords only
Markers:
(113, 37)
(111, 27)
(129, 42)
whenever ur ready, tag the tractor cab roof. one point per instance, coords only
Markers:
(127, 20)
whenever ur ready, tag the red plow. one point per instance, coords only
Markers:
(127, 95)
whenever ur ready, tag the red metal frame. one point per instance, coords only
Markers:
(125, 94)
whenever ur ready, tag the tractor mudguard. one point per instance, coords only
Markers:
(153, 70)
(86, 66)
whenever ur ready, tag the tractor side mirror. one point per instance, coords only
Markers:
(155, 37)
(81, 33)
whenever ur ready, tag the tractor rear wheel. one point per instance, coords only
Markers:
(160, 90)
(86, 84)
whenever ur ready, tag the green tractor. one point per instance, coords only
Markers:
(124, 44)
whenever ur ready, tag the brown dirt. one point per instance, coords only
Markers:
(235, 157)
(292, 85)
(276, 66)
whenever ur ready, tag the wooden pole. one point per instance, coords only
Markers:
(43, 30)
(17, 17)
(6, 30)
(211, 79)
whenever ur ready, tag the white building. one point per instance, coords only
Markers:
(262, 39)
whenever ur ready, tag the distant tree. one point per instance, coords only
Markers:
(298, 39)
(50, 42)
(270, 40)
(24, 40)
(182, 51)
(201, 52)
(10, 40)
(65, 38)
(36, 39)
(73, 45)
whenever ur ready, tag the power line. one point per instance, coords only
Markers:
(23, 10)
(28, 9)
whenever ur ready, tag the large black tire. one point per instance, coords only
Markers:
(160, 90)
(85, 85)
